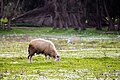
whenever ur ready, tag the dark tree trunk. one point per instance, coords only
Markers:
(18, 1)
(9, 24)
(83, 14)
(118, 24)
(98, 18)
(110, 26)
(1, 13)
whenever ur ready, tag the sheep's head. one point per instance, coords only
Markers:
(56, 58)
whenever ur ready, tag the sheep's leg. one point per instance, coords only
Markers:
(49, 57)
(45, 57)
(30, 59)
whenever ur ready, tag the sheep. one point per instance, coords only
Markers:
(42, 46)
(73, 39)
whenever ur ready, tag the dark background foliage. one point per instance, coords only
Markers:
(66, 13)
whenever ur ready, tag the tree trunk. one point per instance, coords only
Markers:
(98, 18)
(18, 1)
(118, 24)
(110, 27)
(1, 13)
(9, 24)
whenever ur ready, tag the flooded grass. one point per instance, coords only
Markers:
(85, 59)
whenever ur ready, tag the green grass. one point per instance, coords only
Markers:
(91, 56)
(79, 67)
(38, 31)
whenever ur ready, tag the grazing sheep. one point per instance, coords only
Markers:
(42, 46)
(73, 39)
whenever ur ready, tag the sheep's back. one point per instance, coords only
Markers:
(40, 44)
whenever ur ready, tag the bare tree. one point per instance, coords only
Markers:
(58, 13)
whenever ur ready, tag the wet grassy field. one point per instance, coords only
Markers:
(93, 55)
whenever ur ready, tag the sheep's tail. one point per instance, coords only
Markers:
(29, 49)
